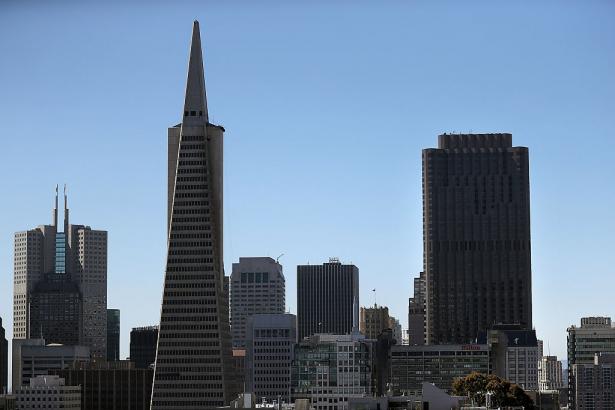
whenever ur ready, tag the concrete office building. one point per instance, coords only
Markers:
(327, 298)
(416, 313)
(373, 320)
(517, 351)
(595, 335)
(437, 364)
(257, 286)
(476, 236)
(270, 339)
(143, 342)
(550, 373)
(60, 284)
(194, 366)
(110, 385)
(32, 357)
(329, 370)
(4, 360)
(594, 384)
(48, 392)
(113, 335)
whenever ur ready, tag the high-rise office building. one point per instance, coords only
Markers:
(143, 342)
(550, 373)
(416, 313)
(329, 370)
(4, 361)
(595, 335)
(327, 298)
(113, 335)
(594, 383)
(373, 320)
(270, 340)
(60, 284)
(257, 286)
(194, 366)
(476, 236)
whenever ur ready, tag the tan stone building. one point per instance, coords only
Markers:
(373, 320)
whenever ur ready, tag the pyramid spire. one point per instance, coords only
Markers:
(195, 105)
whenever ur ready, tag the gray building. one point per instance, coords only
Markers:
(60, 284)
(32, 357)
(327, 298)
(270, 341)
(596, 335)
(257, 286)
(143, 342)
(113, 335)
(416, 313)
(4, 360)
(476, 236)
(48, 392)
(595, 383)
(410, 366)
(329, 370)
(194, 367)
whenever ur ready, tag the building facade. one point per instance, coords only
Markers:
(476, 236)
(60, 284)
(32, 358)
(410, 366)
(257, 286)
(328, 370)
(595, 335)
(4, 361)
(270, 341)
(143, 342)
(327, 299)
(110, 385)
(595, 383)
(550, 373)
(373, 320)
(416, 313)
(113, 335)
(48, 392)
(194, 366)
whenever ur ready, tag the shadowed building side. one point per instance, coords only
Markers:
(193, 367)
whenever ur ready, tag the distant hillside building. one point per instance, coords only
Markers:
(257, 287)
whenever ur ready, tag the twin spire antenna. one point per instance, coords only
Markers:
(55, 209)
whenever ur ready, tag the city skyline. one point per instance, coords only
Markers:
(392, 242)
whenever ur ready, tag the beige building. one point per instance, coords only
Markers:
(373, 320)
(194, 364)
(60, 284)
(550, 373)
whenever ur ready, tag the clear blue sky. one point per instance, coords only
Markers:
(326, 108)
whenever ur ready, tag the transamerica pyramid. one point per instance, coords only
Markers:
(193, 368)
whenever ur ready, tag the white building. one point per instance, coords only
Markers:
(48, 392)
(550, 373)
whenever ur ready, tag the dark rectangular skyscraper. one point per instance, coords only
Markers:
(476, 236)
(194, 367)
(143, 346)
(113, 335)
(327, 299)
(4, 360)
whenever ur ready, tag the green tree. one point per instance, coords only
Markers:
(504, 393)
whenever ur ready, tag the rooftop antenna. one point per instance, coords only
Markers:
(277, 260)
(375, 304)
(55, 209)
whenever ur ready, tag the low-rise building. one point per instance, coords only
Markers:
(329, 370)
(110, 385)
(410, 366)
(32, 357)
(47, 392)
